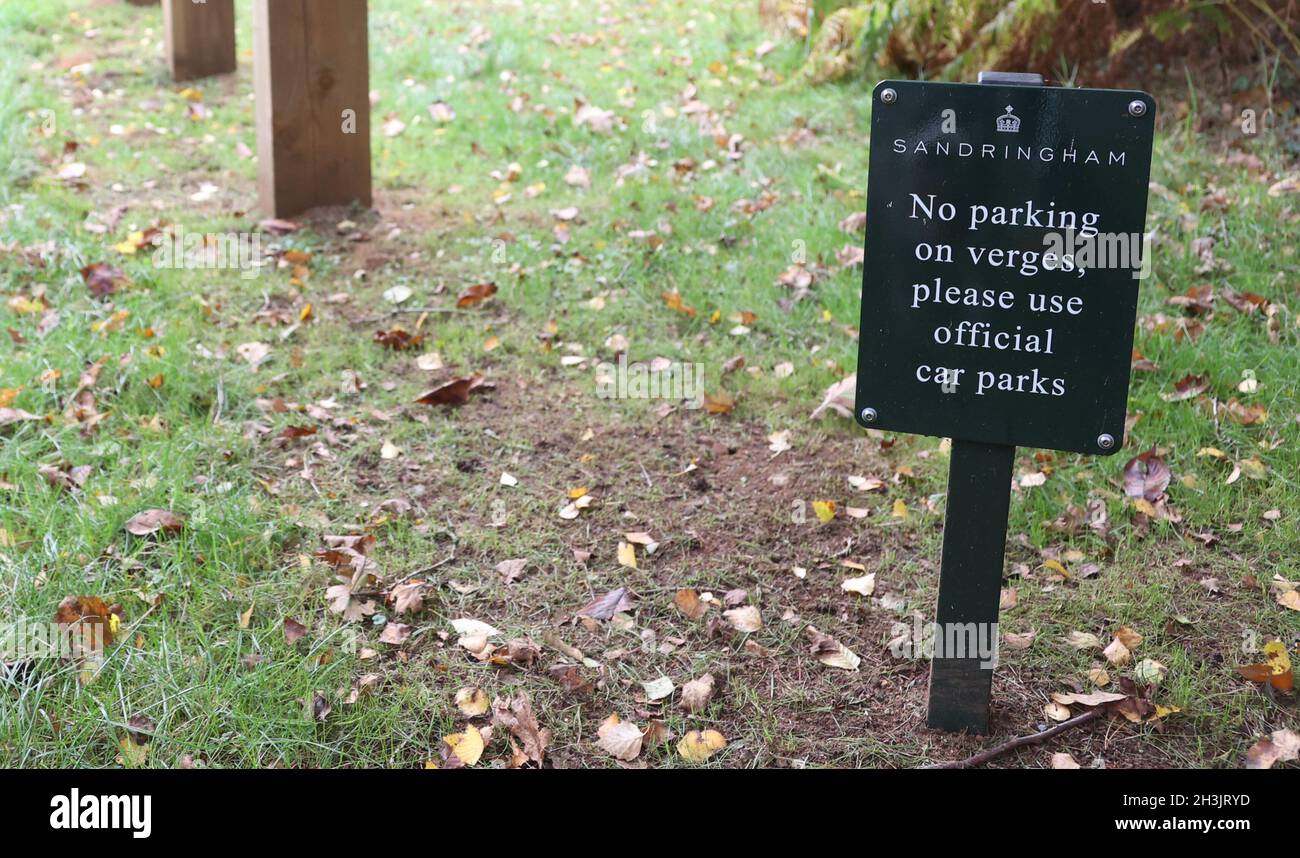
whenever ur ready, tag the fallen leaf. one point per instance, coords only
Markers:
(154, 520)
(1082, 640)
(103, 279)
(658, 689)
(463, 748)
(1149, 671)
(1095, 698)
(1282, 746)
(690, 604)
(746, 619)
(15, 415)
(472, 702)
(1130, 638)
(397, 339)
(1146, 476)
(864, 586)
(320, 706)
(606, 606)
(698, 746)
(511, 569)
(453, 393)
(516, 715)
(831, 652)
(620, 739)
(395, 633)
(839, 398)
(475, 294)
(697, 693)
(407, 598)
(1056, 712)
(824, 510)
(1116, 653)
(1187, 387)
(293, 630)
(255, 354)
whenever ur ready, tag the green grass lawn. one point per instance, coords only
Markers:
(715, 174)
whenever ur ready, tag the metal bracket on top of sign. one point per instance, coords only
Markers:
(1010, 78)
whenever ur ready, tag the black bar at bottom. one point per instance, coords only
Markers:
(970, 583)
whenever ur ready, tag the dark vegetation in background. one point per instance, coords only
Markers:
(1211, 57)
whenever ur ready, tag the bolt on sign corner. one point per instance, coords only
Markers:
(1004, 250)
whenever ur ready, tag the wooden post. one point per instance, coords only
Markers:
(200, 37)
(311, 63)
(970, 584)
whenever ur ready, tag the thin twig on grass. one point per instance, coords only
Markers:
(403, 310)
(1019, 742)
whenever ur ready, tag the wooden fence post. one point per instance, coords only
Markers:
(200, 37)
(311, 62)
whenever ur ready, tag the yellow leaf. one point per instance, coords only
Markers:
(824, 509)
(472, 701)
(577, 492)
(467, 746)
(133, 756)
(8, 395)
(1279, 660)
(1055, 566)
(900, 508)
(24, 306)
(247, 617)
(720, 402)
(626, 554)
(698, 747)
(1128, 637)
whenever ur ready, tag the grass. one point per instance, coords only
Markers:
(258, 506)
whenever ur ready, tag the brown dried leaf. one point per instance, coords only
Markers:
(103, 279)
(608, 605)
(516, 715)
(1146, 476)
(453, 393)
(475, 294)
(293, 630)
(153, 521)
(697, 693)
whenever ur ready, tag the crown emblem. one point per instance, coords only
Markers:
(1009, 123)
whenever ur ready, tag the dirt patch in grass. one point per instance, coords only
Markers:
(722, 506)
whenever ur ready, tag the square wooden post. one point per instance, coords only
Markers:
(200, 37)
(311, 61)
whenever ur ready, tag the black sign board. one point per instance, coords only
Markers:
(999, 293)
(1003, 254)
